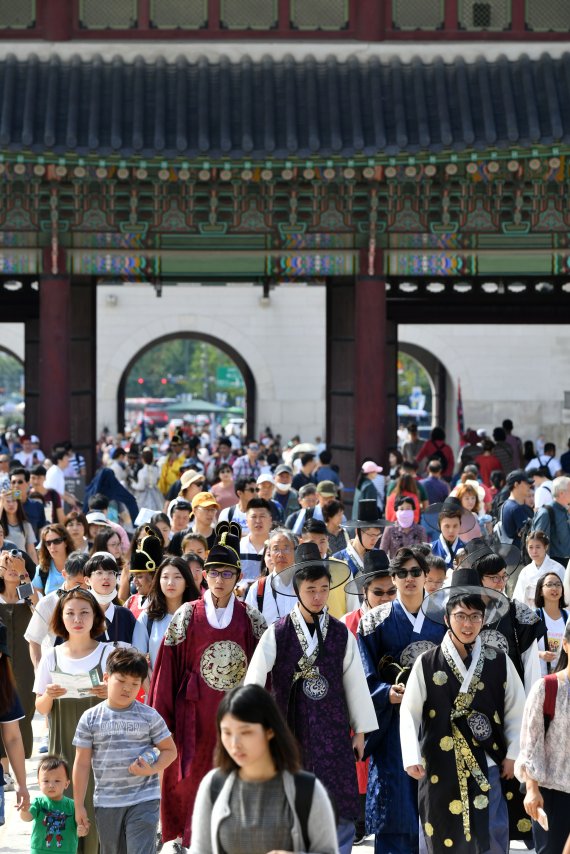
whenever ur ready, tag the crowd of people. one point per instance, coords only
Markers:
(228, 660)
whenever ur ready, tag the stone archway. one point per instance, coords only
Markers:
(438, 378)
(236, 358)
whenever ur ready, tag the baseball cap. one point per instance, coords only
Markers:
(265, 478)
(517, 476)
(370, 467)
(327, 487)
(204, 499)
(283, 468)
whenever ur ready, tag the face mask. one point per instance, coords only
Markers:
(104, 598)
(283, 487)
(405, 518)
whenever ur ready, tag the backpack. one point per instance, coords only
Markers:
(304, 788)
(549, 705)
(261, 582)
(526, 530)
(439, 457)
(499, 530)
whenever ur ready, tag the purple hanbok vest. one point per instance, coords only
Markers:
(319, 719)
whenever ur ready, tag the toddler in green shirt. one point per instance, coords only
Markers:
(52, 813)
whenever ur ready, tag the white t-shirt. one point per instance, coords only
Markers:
(526, 582)
(238, 516)
(55, 479)
(73, 666)
(555, 633)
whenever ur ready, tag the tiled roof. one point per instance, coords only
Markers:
(277, 109)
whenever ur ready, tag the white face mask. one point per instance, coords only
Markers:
(104, 598)
(282, 487)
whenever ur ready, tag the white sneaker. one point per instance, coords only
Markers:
(8, 782)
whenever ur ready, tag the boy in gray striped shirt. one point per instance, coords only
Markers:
(111, 737)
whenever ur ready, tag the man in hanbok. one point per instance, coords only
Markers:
(390, 638)
(318, 681)
(451, 519)
(205, 653)
(460, 721)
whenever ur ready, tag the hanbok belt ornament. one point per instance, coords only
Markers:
(479, 725)
(315, 685)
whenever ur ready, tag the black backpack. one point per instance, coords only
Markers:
(439, 457)
(304, 788)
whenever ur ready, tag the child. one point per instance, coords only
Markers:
(436, 573)
(113, 736)
(52, 813)
(452, 520)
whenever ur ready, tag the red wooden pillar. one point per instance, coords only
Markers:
(371, 417)
(54, 346)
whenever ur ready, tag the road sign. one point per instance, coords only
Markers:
(228, 377)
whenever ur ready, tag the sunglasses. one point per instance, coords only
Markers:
(13, 480)
(57, 541)
(403, 573)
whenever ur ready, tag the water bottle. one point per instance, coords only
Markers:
(150, 755)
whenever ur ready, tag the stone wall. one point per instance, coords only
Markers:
(283, 343)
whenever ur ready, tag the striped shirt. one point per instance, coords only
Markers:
(117, 737)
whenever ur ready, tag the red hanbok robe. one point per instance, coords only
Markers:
(196, 665)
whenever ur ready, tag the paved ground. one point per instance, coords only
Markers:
(15, 835)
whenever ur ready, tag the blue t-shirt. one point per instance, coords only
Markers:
(54, 580)
(513, 517)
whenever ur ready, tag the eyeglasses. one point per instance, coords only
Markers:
(275, 550)
(403, 573)
(474, 619)
(57, 541)
(497, 579)
(103, 573)
(226, 574)
(553, 584)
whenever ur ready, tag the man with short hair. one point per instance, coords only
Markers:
(515, 511)
(259, 523)
(245, 490)
(52, 502)
(55, 479)
(325, 470)
(555, 520)
(436, 488)
(503, 451)
(547, 460)
(284, 494)
(542, 483)
(514, 442)
(308, 500)
(412, 447)
(265, 489)
(305, 475)
(29, 456)
(180, 515)
(315, 531)
(248, 465)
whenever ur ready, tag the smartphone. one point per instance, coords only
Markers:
(25, 591)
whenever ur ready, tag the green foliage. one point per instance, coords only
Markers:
(412, 374)
(189, 367)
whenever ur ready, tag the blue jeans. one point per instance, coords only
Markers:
(345, 835)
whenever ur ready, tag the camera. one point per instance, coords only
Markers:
(25, 591)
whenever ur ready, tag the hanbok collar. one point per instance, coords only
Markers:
(417, 620)
(311, 640)
(353, 554)
(218, 618)
(449, 552)
(450, 650)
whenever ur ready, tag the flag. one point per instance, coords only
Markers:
(460, 418)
